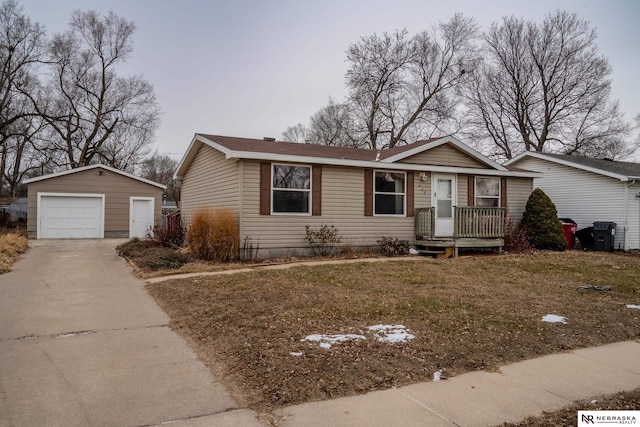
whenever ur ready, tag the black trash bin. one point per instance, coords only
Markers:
(604, 234)
(585, 236)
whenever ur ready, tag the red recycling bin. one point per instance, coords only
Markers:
(570, 233)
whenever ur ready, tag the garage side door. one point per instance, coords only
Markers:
(70, 217)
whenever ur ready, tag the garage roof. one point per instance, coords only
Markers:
(101, 166)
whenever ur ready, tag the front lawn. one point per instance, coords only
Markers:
(469, 313)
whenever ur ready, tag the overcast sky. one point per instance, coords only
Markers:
(253, 67)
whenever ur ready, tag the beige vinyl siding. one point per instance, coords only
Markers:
(518, 192)
(583, 196)
(463, 190)
(211, 181)
(342, 206)
(445, 155)
(116, 188)
(422, 190)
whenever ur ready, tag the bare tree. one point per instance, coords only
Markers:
(21, 48)
(334, 125)
(544, 87)
(160, 168)
(295, 133)
(92, 111)
(402, 88)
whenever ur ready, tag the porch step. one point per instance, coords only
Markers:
(440, 253)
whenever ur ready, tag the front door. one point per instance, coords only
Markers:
(443, 200)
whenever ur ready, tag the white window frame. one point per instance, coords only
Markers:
(310, 190)
(475, 191)
(403, 194)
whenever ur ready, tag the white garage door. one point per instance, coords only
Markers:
(70, 217)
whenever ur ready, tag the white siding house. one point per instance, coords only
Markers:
(588, 190)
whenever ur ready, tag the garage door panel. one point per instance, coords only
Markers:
(70, 217)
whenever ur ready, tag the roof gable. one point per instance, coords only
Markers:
(422, 146)
(96, 166)
(623, 171)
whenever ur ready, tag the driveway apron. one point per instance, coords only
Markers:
(82, 343)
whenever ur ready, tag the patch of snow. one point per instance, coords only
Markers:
(413, 251)
(633, 306)
(391, 333)
(296, 353)
(553, 318)
(326, 341)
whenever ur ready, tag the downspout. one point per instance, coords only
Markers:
(626, 213)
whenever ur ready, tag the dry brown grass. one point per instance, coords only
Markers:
(214, 235)
(12, 245)
(468, 313)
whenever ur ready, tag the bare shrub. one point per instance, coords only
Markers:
(324, 239)
(347, 250)
(249, 251)
(170, 237)
(392, 246)
(213, 235)
(516, 236)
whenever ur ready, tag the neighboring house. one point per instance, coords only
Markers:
(18, 210)
(93, 201)
(588, 190)
(277, 188)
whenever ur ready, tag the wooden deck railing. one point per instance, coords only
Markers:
(469, 223)
(480, 223)
(424, 222)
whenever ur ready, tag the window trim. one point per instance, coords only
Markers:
(403, 194)
(309, 190)
(475, 191)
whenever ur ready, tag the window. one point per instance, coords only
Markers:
(389, 193)
(291, 189)
(487, 192)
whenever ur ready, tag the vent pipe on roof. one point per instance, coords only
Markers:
(270, 139)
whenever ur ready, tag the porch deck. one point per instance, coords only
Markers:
(473, 228)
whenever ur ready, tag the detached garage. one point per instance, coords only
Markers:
(92, 202)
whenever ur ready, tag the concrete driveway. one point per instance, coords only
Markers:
(82, 343)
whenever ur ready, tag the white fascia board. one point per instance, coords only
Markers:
(563, 162)
(375, 165)
(186, 159)
(85, 168)
(461, 146)
(190, 154)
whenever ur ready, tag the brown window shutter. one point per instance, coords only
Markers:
(471, 191)
(503, 192)
(368, 192)
(316, 191)
(410, 208)
(265, 188)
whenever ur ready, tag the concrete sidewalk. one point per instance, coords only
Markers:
(479, 399)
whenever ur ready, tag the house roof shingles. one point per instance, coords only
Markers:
(613, 166)
(309, 150)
